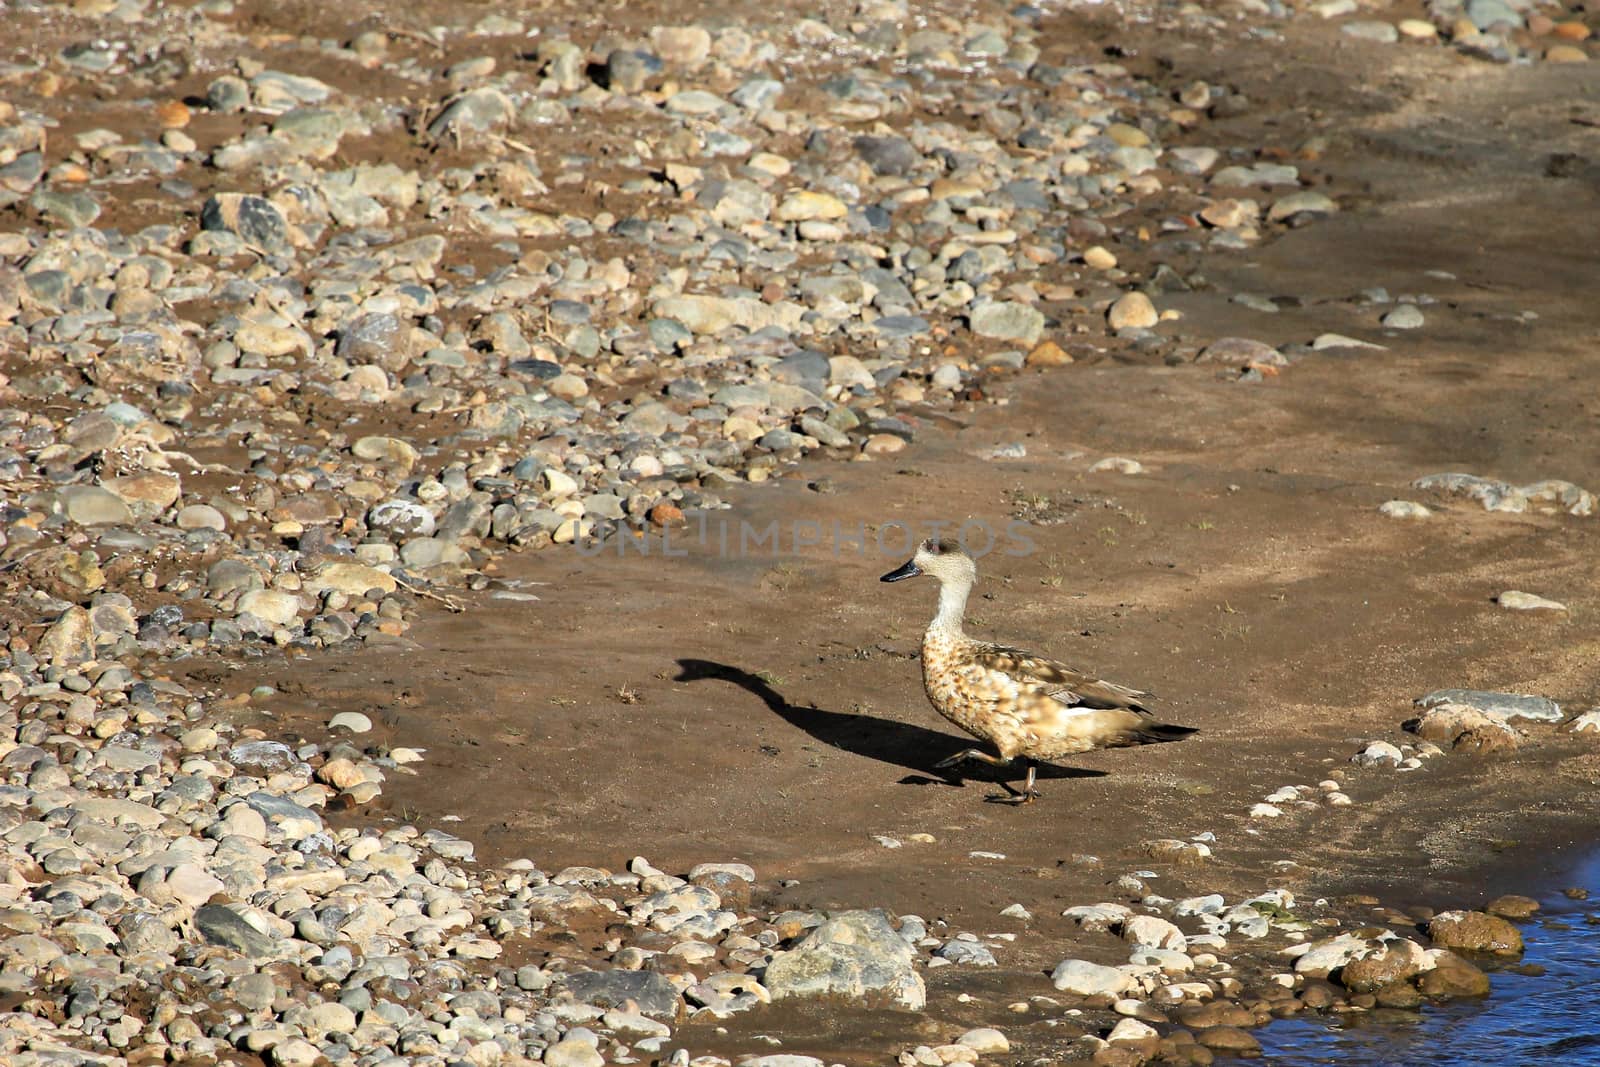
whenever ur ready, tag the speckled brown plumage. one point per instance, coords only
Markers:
(1024, 705)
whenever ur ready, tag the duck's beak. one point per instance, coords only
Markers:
(908, 569)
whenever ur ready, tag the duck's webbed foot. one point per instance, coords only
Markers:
(1028, 794)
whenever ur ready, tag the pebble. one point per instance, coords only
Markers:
(1404, 509)
(1404, 317)
(1517, 600)
(1132, 311)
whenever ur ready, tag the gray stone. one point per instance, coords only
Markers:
(378, 338)
(402, 517)
(90, 505)
(293, 819)
(477, 112)
(892, 156)
(221, 925)
(142, 932)
(256, 221)
(272, 606)
(1371, 30)
(629, 71)
(1404, 317)
(69, 209)
(650, 992)
(573, 1052)
(1506, 705)
(1090, 979)
(1008, 321)
(1486, 13)
(254, 992)
(971, 953)
(856, 954)
(1493, 495)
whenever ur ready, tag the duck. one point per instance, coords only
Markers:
(1026, 706)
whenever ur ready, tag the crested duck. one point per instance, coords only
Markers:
(1024, 705)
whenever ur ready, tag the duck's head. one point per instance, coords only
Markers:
(944, 560)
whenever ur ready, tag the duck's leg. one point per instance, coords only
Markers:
(973, 753)
(1028, 791)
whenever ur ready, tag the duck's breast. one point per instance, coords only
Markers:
(965, 693)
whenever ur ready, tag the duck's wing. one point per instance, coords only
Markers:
(1055, 679)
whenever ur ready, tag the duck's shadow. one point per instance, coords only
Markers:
(896, 743)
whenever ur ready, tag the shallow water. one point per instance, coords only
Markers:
(1525, 1020)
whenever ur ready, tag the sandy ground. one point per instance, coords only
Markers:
(767, 706)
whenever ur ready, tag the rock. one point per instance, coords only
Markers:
(272, 606)
(1326, 341)
(856, 954)
(1048, 354)
(1486, 14)
(573, 1052)
(1321, 958)
(891, 156)
(1241, 352)
(90, 505)
(1397, 961)
(713, 314)
(255, 221)
(688, 46)
(295, 1052)
(1506, 705)
(1378, 753)
(354, 721)
(1303, 203)
(1154, 931)
(472, 114)
(1008, 321)
(970, 953)
(201, 517)
(191, 884)
(70, 639)
(1132, 311)
(985, 1041)
(1452, 976)
(1229, 1039)
(1588, 722)
(1475, 931)
(380, 339)
(1493, 495)
(805, 204)
(1404, 509)
(219, 924)
(1520, 601)
(352, 579)
(1512, 906)
(1404, 317)
(386, 450)
(1466, 728)
(651, 993)
(1117, 465)
(1090, 979)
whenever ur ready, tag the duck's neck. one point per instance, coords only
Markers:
(952, 606)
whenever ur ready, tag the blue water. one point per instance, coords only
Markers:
(1549, 1020)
